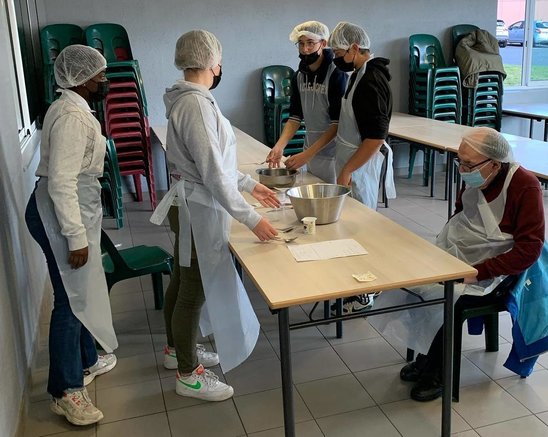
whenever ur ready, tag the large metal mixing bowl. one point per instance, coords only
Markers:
(323, 201)
(277, 177)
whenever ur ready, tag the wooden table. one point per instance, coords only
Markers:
(396, 256)
(532, 111)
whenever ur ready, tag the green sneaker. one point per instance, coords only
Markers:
(202, 384)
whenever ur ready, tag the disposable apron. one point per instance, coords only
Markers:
(86, 286)
(227, 312)
(365, 180)
(315, 106)
(473, 235)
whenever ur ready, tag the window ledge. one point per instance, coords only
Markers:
(29, 147)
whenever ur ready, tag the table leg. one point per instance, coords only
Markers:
(546, 129)
(447, 359)
(531, 128)
(433, 170)
(338, 312)
(287, 379)
(450, 168)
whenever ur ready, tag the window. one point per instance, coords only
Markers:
(525, 51)
(24, 40)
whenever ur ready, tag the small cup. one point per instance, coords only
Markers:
(309, 225)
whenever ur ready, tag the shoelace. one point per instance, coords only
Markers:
(208, 377)
(80, 398)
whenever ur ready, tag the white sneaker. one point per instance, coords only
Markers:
(202, 384)
(104, 364)
(77, 407)
(207, 359)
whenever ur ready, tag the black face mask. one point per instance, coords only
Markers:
(342, 65)
(216, 79)
(102, 91)
(310, 58)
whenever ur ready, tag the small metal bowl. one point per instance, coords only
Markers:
(323, 201)
(277, 177)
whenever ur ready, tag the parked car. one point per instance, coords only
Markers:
(502, 33)
(516, 33)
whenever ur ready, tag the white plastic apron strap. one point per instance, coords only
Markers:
(389, 185)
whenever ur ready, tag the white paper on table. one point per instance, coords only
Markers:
(326, 250)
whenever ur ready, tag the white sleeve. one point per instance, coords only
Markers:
(199, 125)
(68, 140)
(246, 182)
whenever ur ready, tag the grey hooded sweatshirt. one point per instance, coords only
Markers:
(197, 136)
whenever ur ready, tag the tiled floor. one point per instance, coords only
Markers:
(343, 387)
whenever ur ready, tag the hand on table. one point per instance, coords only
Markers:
(265, 196)
(264, 230)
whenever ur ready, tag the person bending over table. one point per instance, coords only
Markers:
(498, 227)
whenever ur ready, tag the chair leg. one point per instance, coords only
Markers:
(158, 291)
(410, 355)
(492, 332)
(412, 154)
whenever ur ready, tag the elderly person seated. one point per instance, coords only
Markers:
(498, 227)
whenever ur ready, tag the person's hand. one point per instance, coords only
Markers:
(345, 178)
(264, 230)
(265, 196)
(78, 258)
(274, 158)
(473, 280)
(297, 161)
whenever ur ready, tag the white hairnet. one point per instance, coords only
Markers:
(198, 49)
(310, 29)
(345, 34)
(489, 143)
(76, 64)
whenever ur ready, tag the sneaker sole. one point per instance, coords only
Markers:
(60, 412)
(217, 397)
(104, 370)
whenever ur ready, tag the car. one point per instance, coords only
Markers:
(502, 33)
(516, 33)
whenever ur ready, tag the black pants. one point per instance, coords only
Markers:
(435, 353)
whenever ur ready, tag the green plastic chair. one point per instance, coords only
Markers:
(56, 37)
(276, 86)
(134, 262)
(459, 31)
(111, 40)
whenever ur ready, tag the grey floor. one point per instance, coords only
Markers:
(343, 387)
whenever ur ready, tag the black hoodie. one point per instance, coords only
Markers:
(372, 101)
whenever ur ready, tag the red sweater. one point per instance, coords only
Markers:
(523, 218)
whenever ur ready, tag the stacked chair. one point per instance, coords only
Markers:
(111, 186)
(434, 90)
(276, 84)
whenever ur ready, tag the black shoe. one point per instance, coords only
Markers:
(413, 371)
(428, 388)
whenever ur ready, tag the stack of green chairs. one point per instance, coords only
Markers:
(483, 104)
(53, 39)
(276, 85)
(434, 91)
(111, 186)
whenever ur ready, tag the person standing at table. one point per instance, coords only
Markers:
(316, 91)
(366, 109)
(64, 217)
(201, 153)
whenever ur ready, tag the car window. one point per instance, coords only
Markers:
(500, 23)
(542, 24)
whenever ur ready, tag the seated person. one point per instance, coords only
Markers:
(498, 228)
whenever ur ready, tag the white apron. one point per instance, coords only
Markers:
(227, 312)
(86, 287)
(365, 180)
(473, 235)
(315, 106)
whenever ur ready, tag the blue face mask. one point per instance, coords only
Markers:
(472, 179)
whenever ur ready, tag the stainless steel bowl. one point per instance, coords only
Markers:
(277, 177)
(323, 201)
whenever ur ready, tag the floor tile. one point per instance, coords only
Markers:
(269, 321)
(301, 340)
(420, 419)
(129, 370)
(132, 285)
(133, 344)
(469, 433)
(263, 349)
(353, 330)
(529, 426)
(370, 422)
(129, 401)
(384, 384)
(368, 354)
(172, 400)
(255, 376)
(543, 417)
(264, 410)
(470, 374)
(121, 302)
(531, 391)
(131, 322)
(336, 395)
(145, 426)
(303, 429)
(316, 364)
(487, 403)
(213, 419)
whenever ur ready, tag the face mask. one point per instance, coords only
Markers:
(342, 65)
(102, 91)
(473, 179)
(216, 79)
(310, 58)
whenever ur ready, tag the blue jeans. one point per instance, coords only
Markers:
(71, 346)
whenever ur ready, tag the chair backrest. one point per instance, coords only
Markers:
(111, 40)
(276, 82)
(56, 37)
(459, 31)
(425, 52)
(115, 260)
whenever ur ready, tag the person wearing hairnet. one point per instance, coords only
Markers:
(497, 227)
(64, 216)
(316, 91)
(366, 109)
(201, 153)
